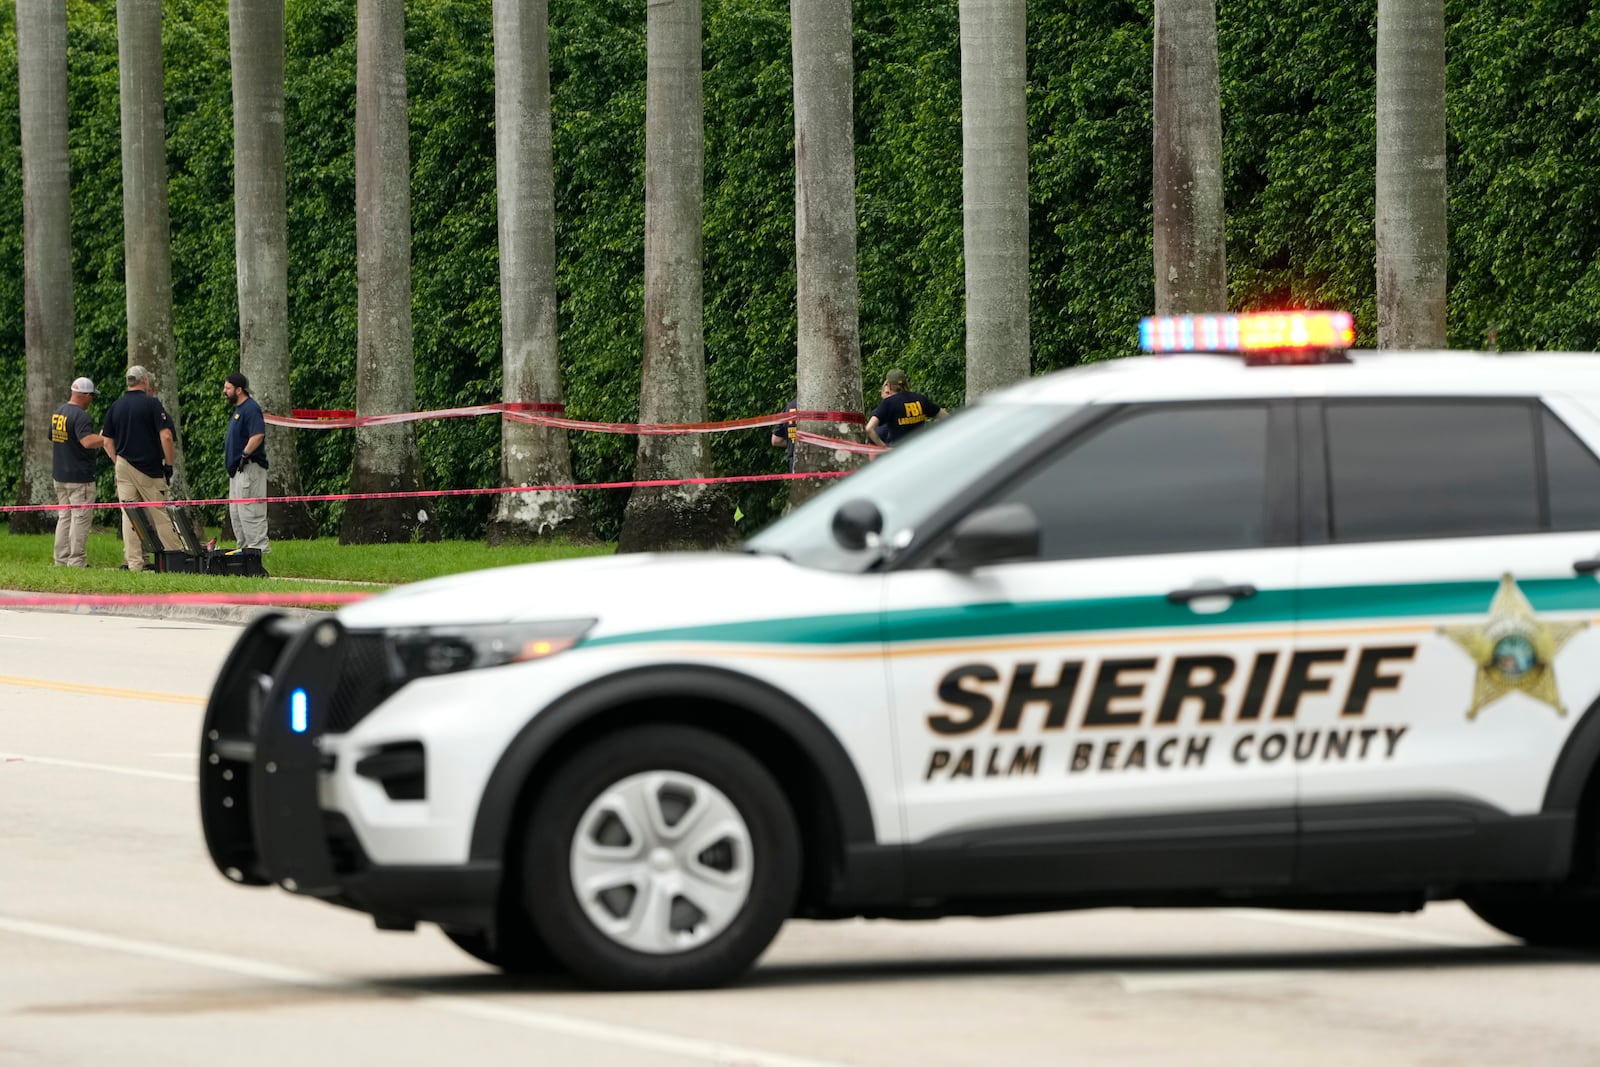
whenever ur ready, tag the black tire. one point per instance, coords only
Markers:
(772, 859)
(517, 948)
(1555, 918)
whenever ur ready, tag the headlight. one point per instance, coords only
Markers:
(429, 650)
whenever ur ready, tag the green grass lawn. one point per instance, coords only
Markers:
(26, 563)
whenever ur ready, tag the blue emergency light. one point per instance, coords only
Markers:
(298, 717)
(1260, 336)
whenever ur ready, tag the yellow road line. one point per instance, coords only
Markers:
(103, 691)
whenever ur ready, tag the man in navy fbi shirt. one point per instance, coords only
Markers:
(901, 412)
(73, 445)
(246, 453)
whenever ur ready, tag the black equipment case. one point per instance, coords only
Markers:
(193, 557)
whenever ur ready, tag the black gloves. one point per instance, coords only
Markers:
(166, 472)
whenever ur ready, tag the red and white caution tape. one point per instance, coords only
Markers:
(313, 498)
(549, 415)
(539, 414)
(326, 419)
(839, 444)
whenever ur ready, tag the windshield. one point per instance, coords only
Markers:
(910, 482)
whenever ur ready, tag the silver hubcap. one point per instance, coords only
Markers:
(662, 862)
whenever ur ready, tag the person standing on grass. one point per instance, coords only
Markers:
(246, 454)
(137, 435)
(72, 450)
(785, 434)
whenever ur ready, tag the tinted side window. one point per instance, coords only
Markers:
(1162, 479)
(1574, 478)
(1458, 468)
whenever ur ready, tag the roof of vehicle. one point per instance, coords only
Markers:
(1197, 377)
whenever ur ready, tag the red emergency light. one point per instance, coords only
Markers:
(1264, 337)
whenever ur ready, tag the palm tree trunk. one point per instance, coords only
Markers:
(386, 459)
(1191, 264)
(146, 233)
(673, 378)
(828, 352)
(46, 245)
(1411, 194)
(255, 32)
(531, 369)
(994, 190)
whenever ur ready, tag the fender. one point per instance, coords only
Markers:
(1578, 759)
(790, 717)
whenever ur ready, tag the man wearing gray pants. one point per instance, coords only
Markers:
(246, 453)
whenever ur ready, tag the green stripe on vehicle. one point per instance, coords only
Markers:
(1335, 603)
(1010, 619)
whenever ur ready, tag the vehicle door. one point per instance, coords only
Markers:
(1438, 579)
(1092, 716)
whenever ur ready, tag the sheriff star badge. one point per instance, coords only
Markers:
(1513, 650)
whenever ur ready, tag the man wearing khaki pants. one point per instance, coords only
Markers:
(138, 437)
(72, 445)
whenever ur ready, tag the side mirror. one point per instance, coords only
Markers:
(857, 524)
(993, 535)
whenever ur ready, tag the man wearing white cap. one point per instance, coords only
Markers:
(73, 444)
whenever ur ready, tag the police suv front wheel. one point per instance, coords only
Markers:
(662, 857)
(514, 948)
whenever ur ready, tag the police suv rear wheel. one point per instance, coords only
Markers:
(659, 858)
(1558, 919)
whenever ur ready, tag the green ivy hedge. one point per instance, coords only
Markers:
(1297, 97)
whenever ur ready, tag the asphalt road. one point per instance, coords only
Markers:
(120, 945)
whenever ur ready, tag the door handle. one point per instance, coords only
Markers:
(1586, 566)
(1204, 592)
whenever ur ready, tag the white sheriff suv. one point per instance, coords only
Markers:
(1297, 627)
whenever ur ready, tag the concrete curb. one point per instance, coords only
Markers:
(233, 614)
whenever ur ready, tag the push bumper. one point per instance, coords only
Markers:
(284, 688)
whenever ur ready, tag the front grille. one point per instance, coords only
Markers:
(364, 680)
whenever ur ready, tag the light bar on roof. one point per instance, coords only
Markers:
(1255, 331)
